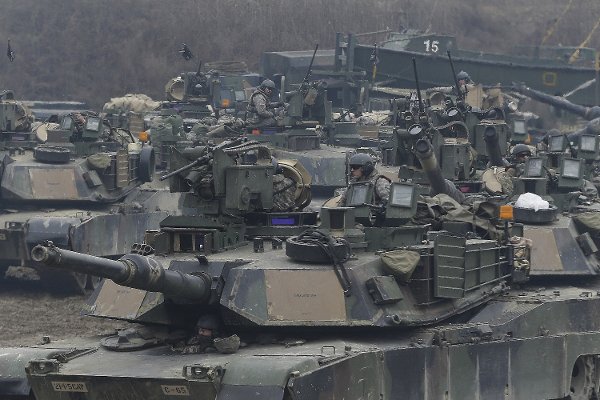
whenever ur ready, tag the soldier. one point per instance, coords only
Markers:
(500, 180)
(463, 80)
(362, 169)
(521, 153)
(261, 112)
(465, 84)
(284, 190)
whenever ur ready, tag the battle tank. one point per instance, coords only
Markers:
(81, 189)
(457, 131)
(307, 132)
(591, 114)
(402, 305)
(581, 143)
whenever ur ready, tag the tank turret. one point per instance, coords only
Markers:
(90, 176)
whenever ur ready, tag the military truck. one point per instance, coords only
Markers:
(82, 189)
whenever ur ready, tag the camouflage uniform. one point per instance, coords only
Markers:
(260, 112)
(381, 184)
(284, 190)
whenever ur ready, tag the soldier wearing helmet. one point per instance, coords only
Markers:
(464, 77)
(261, 112)
(464, 82)
(520, 153)
(362, 169)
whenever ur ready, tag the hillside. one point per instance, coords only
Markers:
(96, 49)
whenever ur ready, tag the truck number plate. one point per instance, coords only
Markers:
(175, 390)
(69, 387)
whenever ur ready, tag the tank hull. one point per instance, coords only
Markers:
(509, 349)
(106, 231)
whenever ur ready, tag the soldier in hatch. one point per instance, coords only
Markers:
(520, 154)
(465, 84)
(362, 169)
(503, 176)
(261, 112)
(464, 81)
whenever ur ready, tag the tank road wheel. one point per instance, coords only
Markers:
(584, 381)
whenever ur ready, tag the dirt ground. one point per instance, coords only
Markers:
(28, 312)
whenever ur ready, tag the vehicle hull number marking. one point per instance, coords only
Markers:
(175, 390)
(79, 387)
(432, 46)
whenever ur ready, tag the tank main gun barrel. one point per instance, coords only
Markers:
(588, 113)
(426, 156)
(132, 270)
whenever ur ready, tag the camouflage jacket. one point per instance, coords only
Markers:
(284, 190)
(381, 184)
(259, 107)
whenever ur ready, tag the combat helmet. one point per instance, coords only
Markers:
(267, 84)
(462, 75)
(521, 149)
(363, 161)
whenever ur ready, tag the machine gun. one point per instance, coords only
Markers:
(459, 93)
(422, 116)
(308, 74)
(203, 159)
